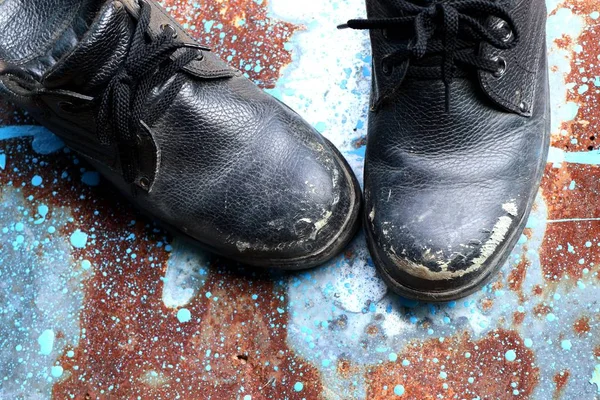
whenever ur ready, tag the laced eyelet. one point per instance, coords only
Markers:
(523, 107)
(165, 27)
(503, 28)
(502, 66)
(386, 68)
(144, 182)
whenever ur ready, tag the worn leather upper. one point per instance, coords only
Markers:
(226, 164)
(447, 192)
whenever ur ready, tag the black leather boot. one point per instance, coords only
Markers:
(184, 136)
(458, 138)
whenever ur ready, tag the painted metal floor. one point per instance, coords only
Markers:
(98, 302)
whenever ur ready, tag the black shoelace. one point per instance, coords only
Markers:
(450, 28)
(150, 63)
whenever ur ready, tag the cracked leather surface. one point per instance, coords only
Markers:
(232, 167)
(447, 194)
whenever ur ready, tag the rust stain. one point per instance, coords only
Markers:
(232, 341)
(241, 33)
(486, 304)
(518, 318)
(580, 134)
(570, 247)
(459, 367)
(372, 330)
(541, 310)
(345, 368)
(131, 344)
(518, 273)
(560, 379)
(582, 326)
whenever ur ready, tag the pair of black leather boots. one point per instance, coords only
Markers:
(458, 133)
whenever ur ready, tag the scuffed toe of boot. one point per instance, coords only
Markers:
(433, 247)
(184, 136)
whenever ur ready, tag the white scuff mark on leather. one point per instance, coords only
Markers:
(511, 208)
(425, 215)
(372, 215)
(498, 235)
(321, 223)
(242, 246)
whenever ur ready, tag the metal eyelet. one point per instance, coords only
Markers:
(170, 27)
(502, 66)
(524, 107)
(504, 29)
(200, 57)
(144, 183)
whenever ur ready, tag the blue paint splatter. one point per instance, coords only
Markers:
(572, 185)
(510, 355)
(399, 390)
(46, 342)
(321, 127)
(44, 142)
(566, 344)
(56, 371)
(184, 315)
(208, 26)
(36, 180)
(43, 210)
(79, 239)
(298, 386)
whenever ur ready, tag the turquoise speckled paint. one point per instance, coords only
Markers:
(340, 319)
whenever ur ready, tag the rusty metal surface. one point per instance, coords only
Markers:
(96, 301)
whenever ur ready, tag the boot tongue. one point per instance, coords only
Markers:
(98, 55)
